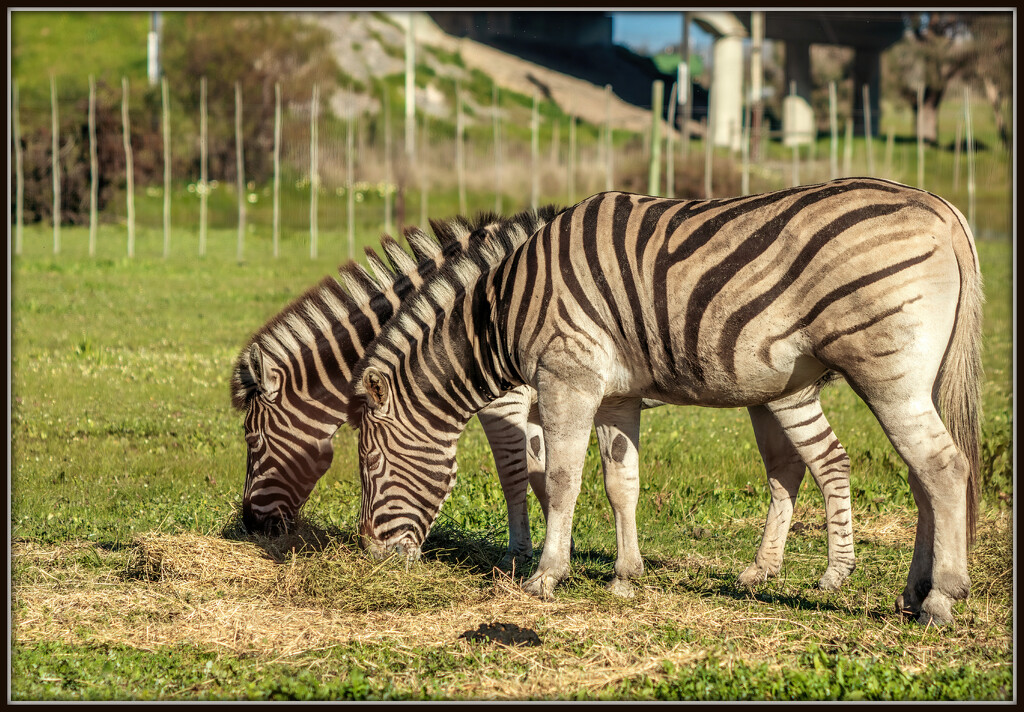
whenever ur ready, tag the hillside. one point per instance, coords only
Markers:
(368, 44)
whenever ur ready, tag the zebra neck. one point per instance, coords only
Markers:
(492, 363)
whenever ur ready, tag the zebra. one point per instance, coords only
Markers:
(752, 302)
(280, 478)
(293, 381)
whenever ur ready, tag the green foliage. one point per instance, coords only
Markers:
(255, 51)
(821, 675)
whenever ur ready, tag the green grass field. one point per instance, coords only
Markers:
(131, 578)
(124, 449)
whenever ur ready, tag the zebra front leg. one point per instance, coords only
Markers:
(618, 435)
(535, 464)
(804, 424)
(566, 414)
(785, 471)
(504, 423)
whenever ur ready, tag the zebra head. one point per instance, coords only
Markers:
(407, 473)
(288, 443)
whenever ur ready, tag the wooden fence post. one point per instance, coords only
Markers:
(571, 177)
(848, 148)
(460, 159)
(277, 168)
(314, 170)
(745, 148)
(889, 144)
(421, 173)
(166, 126)
(350, 185)
(969, 131)
(867, 131)
(833, 124)
(19, 170)
(240, 171)
(708, 152)
(654, 168)
(920, 137)
(204, 187)
(534, 152)
(55, 163)
(608, 177)
(94, 171)
(129, 166)
(410, 89)
(956, 151)
(496, 111)
(670, 164)
(387, 161)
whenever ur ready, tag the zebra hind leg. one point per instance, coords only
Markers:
(805, 426)
(938, 478)
(618, 434)
(785, 472)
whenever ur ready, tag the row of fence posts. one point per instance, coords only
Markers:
(605, 147)
(203, 187)
(654, 170)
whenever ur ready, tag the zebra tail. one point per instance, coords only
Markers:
(960, 379)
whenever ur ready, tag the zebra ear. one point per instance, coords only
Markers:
(377, 390)
(266, 383)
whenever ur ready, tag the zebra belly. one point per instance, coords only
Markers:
(718, 389)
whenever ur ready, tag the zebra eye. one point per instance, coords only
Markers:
(254, 440)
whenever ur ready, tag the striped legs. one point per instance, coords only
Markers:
(505, 424)
(785, 471)
(618, 435)
(812, 441)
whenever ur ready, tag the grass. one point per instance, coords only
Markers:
(131, 577)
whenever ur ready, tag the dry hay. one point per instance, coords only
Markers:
(246, 598)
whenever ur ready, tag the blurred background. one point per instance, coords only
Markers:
(265, 132)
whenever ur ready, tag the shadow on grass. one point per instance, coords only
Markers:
(704, 580)
(304, 536)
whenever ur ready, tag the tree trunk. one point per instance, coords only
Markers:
(929, 116)
(995, 98)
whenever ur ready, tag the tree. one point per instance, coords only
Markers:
(936, 48)
(993, 33)
(256, 50)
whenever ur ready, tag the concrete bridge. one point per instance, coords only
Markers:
(869, 33)
(580, 44)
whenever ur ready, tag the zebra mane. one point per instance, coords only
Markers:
(485, 249)
(379, 289)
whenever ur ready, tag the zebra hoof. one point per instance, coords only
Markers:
(540, 585)
(831, 580)
(906, 607)
(937, 609)
(752, 576)
(515, 564)
(622, 588)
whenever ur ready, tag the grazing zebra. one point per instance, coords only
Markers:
(291, 418)
(293, 378)
(750, 301)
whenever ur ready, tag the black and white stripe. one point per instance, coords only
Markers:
(746, 302)
(293, 380)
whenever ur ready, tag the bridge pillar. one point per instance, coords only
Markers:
(727, 92)
(798, 125)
